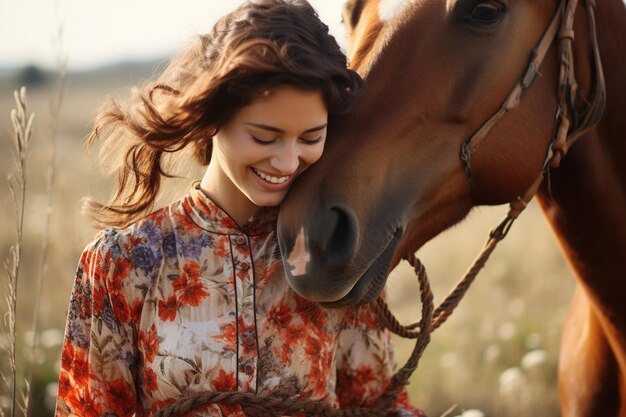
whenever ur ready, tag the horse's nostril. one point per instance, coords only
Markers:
(338, 236)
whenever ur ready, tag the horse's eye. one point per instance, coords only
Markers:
(486, 12)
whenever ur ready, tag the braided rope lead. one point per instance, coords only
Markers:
(447, 306)
(283, 405)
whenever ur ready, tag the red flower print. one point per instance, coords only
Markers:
(67, 357)
(149, 343)
(65, 386)
(168, 309)
(75, 361)
(279, 315)
(229, 336)
(353, 385)
(120, 397)
(134, 240)
(188, 286)
(290, 337)
(225, 382)
(192, 271)
(158, 216)
(84, 404)
(247, 335)
(364, 375)
(368, 317)
(265, 271)
(294, 333)
(120, 306)
(318, 381)
(123, 267)
(350, 318)
(219, 248)
(136, 310)
(182, 219)
(98, 299)
(98, 272)
(220, 216)
(180, 283)
(193, 294)
(150, 380)
(313, 346)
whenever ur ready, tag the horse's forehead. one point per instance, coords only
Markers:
(387, 9)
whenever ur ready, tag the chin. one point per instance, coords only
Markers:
(267, 202)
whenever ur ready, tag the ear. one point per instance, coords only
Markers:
(351, 12)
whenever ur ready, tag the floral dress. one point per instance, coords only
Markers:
(186, 301)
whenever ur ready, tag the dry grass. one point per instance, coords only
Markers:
(22, 128)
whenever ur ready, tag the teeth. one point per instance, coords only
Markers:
(273, 180)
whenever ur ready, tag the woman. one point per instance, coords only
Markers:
(192, 298)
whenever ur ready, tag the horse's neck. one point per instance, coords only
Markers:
(611, 23)
(587, 207)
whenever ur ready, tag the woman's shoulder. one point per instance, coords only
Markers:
(146, 234)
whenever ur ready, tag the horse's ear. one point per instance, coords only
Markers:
(351, 12)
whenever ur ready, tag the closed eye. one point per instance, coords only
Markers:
(262, 141)
(312, 141)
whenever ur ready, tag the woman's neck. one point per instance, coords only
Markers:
(219, 188)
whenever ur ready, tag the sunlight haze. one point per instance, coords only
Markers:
(102, 32)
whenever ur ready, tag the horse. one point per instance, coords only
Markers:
(470, 103)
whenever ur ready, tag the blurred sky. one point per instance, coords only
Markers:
(99, 32)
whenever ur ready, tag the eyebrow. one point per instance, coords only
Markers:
(277, 130)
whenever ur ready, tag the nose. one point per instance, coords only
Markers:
(336, 235)
(287, 159)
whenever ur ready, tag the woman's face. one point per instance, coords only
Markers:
(263, 148)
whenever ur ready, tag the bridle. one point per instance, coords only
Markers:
(570, 124)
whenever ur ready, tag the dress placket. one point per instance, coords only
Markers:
(246, 320)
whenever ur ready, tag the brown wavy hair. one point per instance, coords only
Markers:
(260, 45)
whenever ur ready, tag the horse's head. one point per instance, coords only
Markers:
(391, 177)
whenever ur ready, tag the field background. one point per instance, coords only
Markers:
(498, 353)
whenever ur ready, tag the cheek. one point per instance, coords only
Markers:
(240, 155)
(311, 156)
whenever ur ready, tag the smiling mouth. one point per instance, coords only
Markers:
(271, 179)
(371, 283)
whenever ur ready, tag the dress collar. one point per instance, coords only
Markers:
(208, 215)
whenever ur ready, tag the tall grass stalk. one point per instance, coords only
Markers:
(22, 129)
(449, 411)
(55, 109)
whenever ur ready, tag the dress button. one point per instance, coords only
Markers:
(240, 240)
(244, 266)
(248, 341)
(247, 368)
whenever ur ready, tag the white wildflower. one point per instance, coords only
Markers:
(511, 381)
(534, 359)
